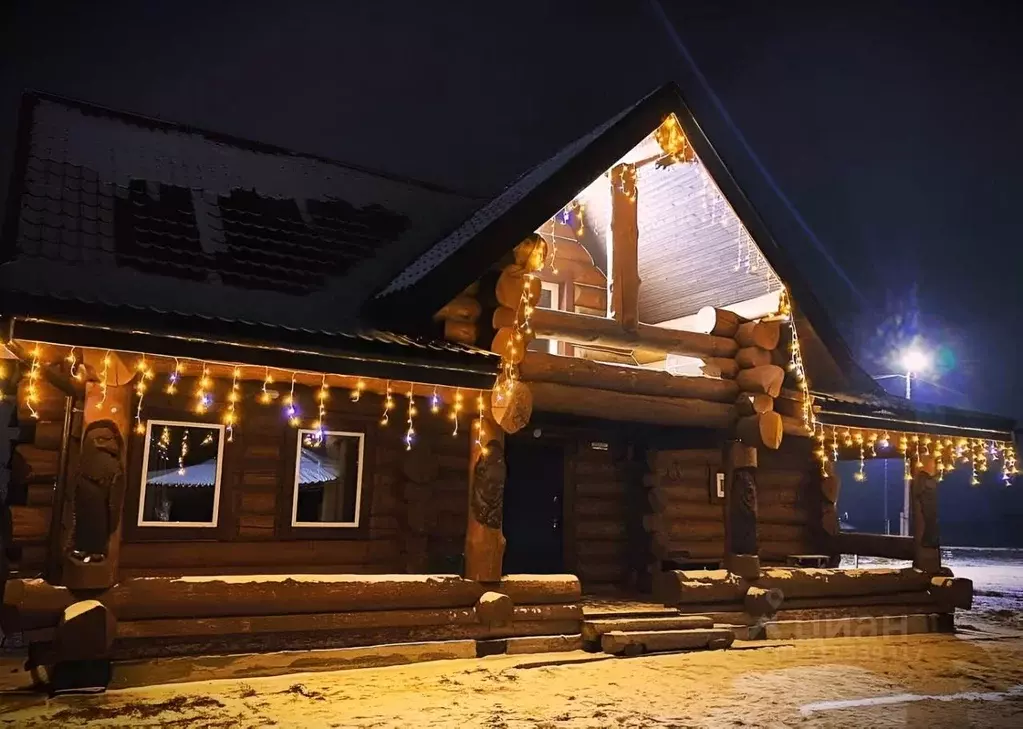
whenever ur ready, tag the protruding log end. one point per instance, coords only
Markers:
(512, 405)
(764, 430)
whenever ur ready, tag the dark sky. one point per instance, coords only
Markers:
(893, 127)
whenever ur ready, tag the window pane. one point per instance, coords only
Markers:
(182, 474)
(328, 478)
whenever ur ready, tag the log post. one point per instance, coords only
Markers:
(741, 552)
(95, 493)
(924, 516)
(624, 248)
(484, 541)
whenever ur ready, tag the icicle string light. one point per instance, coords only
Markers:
(202, 396)
(480, 434)
(456, 409)
(796, 366)
(434, 401)
(290, 411)
(410, 434)
(388, 406)
(231, 415)
(104, 376)
(173, 377)
(145, 373)
(182, 452)
(265, 398)
(321, 409)
(32, 389)
(357, 390)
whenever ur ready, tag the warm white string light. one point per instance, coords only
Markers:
(145, 373)
(388, 406)
(480, 435)
(231, 415)
(202, 396)
(103, 380)
(32, 390)
(265, 398)
(173, 377)
(410, 434)
(290, 410)
(456, 408)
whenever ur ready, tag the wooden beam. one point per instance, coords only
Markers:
(542, 367)
(872, 545)
(484, 539)
(624, 248)
(611, 405)
(582, 329)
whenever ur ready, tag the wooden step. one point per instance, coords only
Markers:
(629, 614)
(885, 625)
(593, 628)
(636, 642)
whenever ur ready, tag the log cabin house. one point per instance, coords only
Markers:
(259, 401)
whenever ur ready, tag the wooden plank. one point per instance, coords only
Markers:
(599, 508)
(258, 503)
(229, 555)
(611, 530)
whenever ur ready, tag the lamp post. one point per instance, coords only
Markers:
(913, 361)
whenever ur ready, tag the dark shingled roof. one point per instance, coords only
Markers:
(115, 217)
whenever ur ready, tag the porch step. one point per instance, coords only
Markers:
(593, 628)
(630, 613)
(635, 642)
(885, 625)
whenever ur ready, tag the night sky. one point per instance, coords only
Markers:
(893, 128)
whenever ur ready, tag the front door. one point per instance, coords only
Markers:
(533, 506)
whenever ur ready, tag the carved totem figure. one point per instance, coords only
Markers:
(743, 512)
(99, 488)
(488, 486)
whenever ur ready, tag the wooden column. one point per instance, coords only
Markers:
(8, 436)
(484, 540)
(830, 485)
(741, 549)
(924, 516)
(624, 282)
(94, 497)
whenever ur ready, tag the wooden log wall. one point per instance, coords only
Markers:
(415, 502)
(460, 316)
(34, 464)
(788, 500)
(597, 534)
(686, 521)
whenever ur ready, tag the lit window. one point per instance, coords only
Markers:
(181, 474)
(328, 479)
(550, 298)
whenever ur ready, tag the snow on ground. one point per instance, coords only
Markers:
(974, 678)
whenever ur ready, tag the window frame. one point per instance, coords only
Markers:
(296, 471)
(218, 483)
(556, 288)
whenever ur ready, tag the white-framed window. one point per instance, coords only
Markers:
(181, 474)
(327, 490)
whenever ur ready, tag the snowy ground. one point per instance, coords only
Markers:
(974, 678)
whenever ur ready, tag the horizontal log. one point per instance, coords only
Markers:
(531, 253)
(598, 508)
(749, 357)
(611, 530)
(607, 404)
(766, 379)
(689, 551)
(584, 330)
(783, 514)
(511, 287)
(872, 545)
(779, 552)
(600, 572)
(676, 530)
(723, 367)
(662, 462)
(675, 587)
(542, 367)
(688, 512)
(764, 334)
(952, 592)
(42, 463)
(719, 322)
(49, 434)
(586, 549)
(783, 532)
(461, 308)
(794, 426)
(594, 488)
(465, 332)
(753, 403)
(618, 642)
(778, 496)
(682, 495)
(774, 478)
(763, 429)
(30, 524)
(538, 589)
(590, 297)
(362, 568)
(809, 583)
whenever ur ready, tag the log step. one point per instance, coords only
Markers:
(667, 612)
(593, 629)
(633, 643)
(858, 627)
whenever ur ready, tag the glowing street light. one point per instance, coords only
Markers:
(914, 361)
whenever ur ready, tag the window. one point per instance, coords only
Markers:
(550, 298)
(181, 469)
(328, 479)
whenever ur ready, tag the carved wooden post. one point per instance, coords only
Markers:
(484, 541)
(623, 301)
(741, 552)
(94, 498)
(8, 436)
(924, 495)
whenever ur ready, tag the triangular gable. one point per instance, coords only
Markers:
(459, 258)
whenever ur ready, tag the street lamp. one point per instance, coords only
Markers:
(914, 361)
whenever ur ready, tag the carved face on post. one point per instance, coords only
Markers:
(488, 486)
(99, 488)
